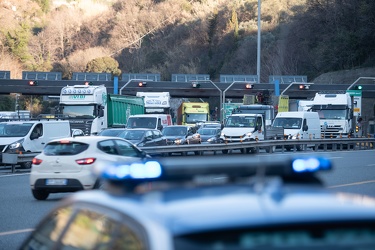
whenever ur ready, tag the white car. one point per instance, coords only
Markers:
(65, 165)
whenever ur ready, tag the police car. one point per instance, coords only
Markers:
(238, 202)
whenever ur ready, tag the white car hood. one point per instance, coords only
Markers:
(236, 131)
(9, 140)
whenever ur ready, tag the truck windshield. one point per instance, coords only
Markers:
(14, 130)
(243, 121)
(288, 123)
(194, 118)
(337, 114)
(142, 122)
(79, 111)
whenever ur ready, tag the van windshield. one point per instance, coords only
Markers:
(142, 122)
(14, 130)
(287, 123)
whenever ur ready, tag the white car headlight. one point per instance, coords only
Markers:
(16, 144)
(249, 134)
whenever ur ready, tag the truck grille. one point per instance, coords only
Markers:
(332, 131)
(84, 125)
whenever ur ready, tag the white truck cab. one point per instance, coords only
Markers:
(299, 124)
(243, 127)
(154, 121)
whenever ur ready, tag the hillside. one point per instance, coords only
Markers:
(299, 37)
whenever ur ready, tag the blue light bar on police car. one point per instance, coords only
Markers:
(312, 164)
(176, 169)
(147, 170)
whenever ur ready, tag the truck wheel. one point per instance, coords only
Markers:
(225, 151)
(25, 165)
(40, 194)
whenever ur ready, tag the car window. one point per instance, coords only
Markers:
(47, 234)
(127, 149)
(64, 148)
(108, 146)
(84, 229)
(111, 132)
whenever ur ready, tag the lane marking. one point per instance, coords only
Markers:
(352, 184)
(369, 165)
(7, 175)
(17, 231)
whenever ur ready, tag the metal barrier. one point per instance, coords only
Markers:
(320, 144)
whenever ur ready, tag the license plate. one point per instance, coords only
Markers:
(56, 181)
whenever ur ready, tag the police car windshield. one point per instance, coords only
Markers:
(360, 235)
(14, 130)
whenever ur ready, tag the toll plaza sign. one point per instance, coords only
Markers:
(357, 101)
(283, 103)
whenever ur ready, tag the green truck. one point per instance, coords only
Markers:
(91, 109)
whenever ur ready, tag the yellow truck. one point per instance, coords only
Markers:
(191, 113)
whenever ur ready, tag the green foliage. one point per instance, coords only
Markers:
(104, 65)
(6, 103)
(17, 42)
(45, 5)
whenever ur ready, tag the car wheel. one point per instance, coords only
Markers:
(25, 165)
(40, 194)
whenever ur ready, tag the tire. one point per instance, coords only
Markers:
(225, 151)
(26, 165)
(244, 150)
(40, 195)
(198, 153)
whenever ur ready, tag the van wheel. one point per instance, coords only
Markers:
(25, 165)
(40, 194)
(198, 153)
(225, 151)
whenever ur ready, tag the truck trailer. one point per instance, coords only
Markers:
(91, 109)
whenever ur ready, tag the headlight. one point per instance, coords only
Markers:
(249, 134)
(16, 145)
(178, 141)
(222, 134)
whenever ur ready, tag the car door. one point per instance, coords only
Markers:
(159, 140)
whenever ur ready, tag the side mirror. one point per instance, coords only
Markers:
(160, 127)
(305, 128)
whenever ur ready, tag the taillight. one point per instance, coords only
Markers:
(36, 161)
(86, 161)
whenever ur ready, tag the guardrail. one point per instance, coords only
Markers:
(270, 145)
(200, 149)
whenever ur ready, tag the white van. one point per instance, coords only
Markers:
(299, 124)
(154, 121)
(17, 137)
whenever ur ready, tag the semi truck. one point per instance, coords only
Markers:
(335, 113)
(156, 102)
(192, 113)
(246, 128)
(91, 109)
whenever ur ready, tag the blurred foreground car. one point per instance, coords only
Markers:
(218, 203)
(65, 165)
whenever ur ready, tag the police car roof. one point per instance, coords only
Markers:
(184, 209)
